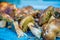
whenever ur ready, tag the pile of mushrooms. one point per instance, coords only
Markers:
(42, 23)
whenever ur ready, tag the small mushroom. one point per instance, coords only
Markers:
(5, 18)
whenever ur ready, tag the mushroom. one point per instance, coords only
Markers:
(27, 22)
(3, 6)
(51, 29)
(24, 22)
(2, 23)
(19, 32)
(5, 18)
(28, 9)
(46, 15)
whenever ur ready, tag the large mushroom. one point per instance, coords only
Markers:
(28, 22)
(51, 29)
(24, 22)
(46, 15)
(7, 13)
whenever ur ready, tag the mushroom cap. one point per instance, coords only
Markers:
(25, 21)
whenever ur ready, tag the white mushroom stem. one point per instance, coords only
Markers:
(34, 30)
(20, 33)
(2, 24)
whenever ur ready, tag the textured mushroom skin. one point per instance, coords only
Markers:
(51, 29)
(46, 15)
(25, 21)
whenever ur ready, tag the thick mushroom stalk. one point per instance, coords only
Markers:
(19, 32)
(37, 32)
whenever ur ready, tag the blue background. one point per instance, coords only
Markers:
(37, 4)
(8, 34)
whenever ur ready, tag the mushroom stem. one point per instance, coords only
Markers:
(2, 23)
(20, 33)
(34, 30)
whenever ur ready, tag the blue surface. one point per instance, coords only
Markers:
(8, 34)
